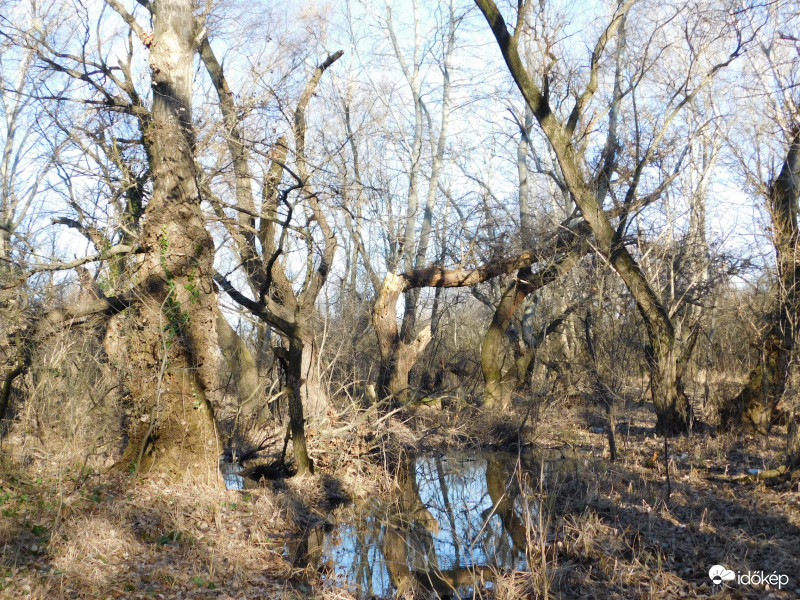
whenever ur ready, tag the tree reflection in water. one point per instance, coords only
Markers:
(455, 519)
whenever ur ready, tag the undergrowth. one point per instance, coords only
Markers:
(74, 527)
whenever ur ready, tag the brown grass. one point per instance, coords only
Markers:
(114, 537)
(72, 528)
(616, 534)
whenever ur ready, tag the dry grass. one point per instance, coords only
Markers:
(74, 526)
(616, 534)
(609, 530)
(71, 528)
(113, 537)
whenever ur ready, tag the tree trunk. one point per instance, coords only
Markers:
(312, 391)
(244, 370)
(291, 360)
(496, 391)
(793, 439)
(5, 392)
(397, 356)
(294, 377)
(173, 351)
(669, 405)
(755, 405)
(673, 411)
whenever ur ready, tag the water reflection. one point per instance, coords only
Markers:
(455, 519)
(230, 474)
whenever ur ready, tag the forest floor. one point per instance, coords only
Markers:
(74, 530)
(625, 538)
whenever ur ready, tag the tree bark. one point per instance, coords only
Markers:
(5, 392)
(312, 391)
(754, 407)
(173, 351)
(397, 356)
(496, 391)
(292, 360)
(243, 367)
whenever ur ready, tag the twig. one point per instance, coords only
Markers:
(666, 466)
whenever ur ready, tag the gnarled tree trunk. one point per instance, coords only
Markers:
(496, 389)
(397, 356)
(755, 405)
(173, 351)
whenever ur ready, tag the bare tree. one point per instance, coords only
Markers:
(410, 237)
(260, 238)
(278, 304)
(26, 162)
(589, 189)
(770, 158)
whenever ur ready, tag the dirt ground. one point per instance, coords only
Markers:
(79, 530)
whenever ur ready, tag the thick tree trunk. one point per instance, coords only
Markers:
(755, 405)
(673, 411)
(405, 357)
(397, 356)
(173, 352)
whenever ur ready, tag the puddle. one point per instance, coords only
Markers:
(229, 471)
(456, 519)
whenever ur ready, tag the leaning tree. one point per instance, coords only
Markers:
(621, 173)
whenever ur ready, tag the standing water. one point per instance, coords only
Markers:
(230, 474)
(455, 520)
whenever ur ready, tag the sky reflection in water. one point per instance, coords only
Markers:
(454, 516)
